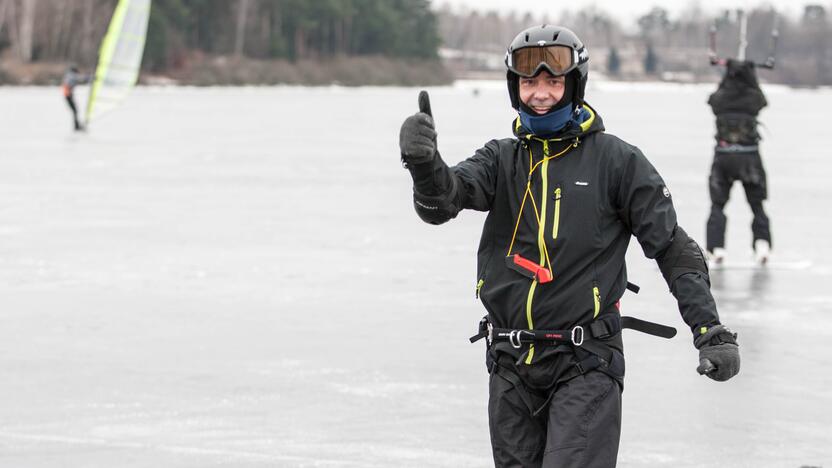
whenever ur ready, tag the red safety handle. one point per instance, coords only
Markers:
(543, 275)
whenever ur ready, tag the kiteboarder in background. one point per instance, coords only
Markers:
(72, 78)
(736, 104)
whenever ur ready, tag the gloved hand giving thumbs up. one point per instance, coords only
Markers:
(417, 139)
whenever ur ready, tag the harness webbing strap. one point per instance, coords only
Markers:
(522, 392)
(651, 328)
(599, 330)
(482, 331)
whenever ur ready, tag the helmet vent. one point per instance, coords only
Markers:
(555, 36)
(527, 37)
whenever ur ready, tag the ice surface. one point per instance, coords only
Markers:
(236, 277)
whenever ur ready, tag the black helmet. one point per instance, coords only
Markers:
(554, 48)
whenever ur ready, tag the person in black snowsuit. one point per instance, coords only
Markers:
(736, 104)
(72, 78)
(563, 199)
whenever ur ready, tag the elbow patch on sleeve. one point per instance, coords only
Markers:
(437, 209)
(682, 256)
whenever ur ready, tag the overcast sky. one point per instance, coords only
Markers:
(626, 10)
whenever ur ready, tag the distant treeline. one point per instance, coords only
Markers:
(302, 41)
(660, 45)
(70, 30)
(291, 29)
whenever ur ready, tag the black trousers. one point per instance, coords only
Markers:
(579, 428)
(70, 100)
(727, 168)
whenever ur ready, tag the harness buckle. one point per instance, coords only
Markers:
(578, 335)
(514, 339)
(489, 338)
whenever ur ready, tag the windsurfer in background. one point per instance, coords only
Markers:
(72, 78)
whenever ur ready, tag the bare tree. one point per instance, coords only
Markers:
(11, 22)
(3, 8)
(240, 37)
(87, 40)
(27, 28)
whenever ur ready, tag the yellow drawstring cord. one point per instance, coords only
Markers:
(528, 193)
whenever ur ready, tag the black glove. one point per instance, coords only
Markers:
(719, 354)
(417, 139)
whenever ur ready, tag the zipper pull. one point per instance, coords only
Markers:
(479, 286)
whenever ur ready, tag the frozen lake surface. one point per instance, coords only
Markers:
(236, 277)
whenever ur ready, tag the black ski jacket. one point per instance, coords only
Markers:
(588, 192)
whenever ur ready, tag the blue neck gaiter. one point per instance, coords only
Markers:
(546, 124)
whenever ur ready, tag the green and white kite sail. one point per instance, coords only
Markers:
(119, 57)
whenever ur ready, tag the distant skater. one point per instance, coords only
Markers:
(72, 78)
(736, 104)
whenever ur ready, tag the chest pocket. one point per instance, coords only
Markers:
(575, 214)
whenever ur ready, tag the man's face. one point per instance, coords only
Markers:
(541, 92)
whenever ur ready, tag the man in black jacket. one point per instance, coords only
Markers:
(563, 199)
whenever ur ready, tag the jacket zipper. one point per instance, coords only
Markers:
(541, 241)
(529, 318)
(556, 221)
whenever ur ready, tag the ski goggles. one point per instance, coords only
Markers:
(528, 61)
